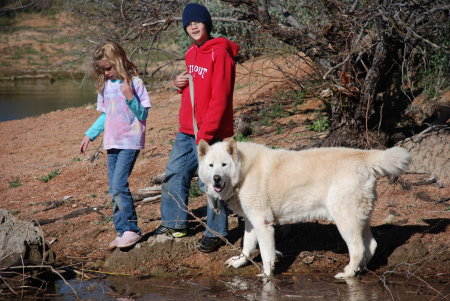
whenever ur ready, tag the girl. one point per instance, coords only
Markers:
(124, 103)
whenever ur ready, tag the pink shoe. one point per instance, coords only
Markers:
(114, 243)
(128, 239)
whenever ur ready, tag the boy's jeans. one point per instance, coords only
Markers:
(120, 165)
(180, 169)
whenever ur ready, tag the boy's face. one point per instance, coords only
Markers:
(197, 32)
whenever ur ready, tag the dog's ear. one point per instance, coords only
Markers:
(202, 148)
(232, 148)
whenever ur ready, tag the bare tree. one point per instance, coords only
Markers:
(360, 49)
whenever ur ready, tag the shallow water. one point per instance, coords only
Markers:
(20, 99)
(282, 287)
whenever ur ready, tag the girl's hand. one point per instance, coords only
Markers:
(182, 80)
(84, 144)
(127, 91)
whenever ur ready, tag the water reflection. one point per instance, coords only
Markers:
(20, 99)
(281, 287)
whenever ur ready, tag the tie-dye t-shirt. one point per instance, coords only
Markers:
(122, 128)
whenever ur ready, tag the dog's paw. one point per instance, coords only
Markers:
(236, 261)
(349, 272)
(345, 275)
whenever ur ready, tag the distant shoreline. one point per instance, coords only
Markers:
(52, 76)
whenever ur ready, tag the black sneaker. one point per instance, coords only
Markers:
(176, 233)
(208, 244)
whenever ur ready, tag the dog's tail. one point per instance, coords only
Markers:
(391, 162)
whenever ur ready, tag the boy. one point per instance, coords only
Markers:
(210, 62)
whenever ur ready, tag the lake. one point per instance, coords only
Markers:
(25, 98)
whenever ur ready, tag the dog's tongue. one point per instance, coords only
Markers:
(217, 189)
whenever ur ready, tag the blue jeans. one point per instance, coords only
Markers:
(120, 165)
(180, 170)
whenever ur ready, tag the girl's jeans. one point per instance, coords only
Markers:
(120, 165)
(180, 169)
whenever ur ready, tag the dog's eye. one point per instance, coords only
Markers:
(211, 165)
(224, 164)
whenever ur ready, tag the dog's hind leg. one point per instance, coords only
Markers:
(351, 229)
(249, 246)
(370, 244)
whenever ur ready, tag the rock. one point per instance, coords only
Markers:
(413, 251)
(389, 219)
(159, 246)
(159, 178)
(22, 243)
(307, 257)
(243, 126)
(430, 151)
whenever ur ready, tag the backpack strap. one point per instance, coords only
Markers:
(191, 90)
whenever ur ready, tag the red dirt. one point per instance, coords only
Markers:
(32, 148)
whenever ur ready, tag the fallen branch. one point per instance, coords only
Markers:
(56, 204)
(147, 194)
(152, 199)
(442, 200)
(73, 214)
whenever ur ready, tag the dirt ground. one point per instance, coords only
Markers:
(74, 209)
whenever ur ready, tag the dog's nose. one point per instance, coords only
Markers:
(216, 179)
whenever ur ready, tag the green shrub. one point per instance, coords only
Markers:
(50, 176)
(14, 183)
(240, 137)
(320, 125)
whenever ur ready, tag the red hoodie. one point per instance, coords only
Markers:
(213, 70)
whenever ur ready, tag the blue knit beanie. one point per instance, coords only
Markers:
(199, 13)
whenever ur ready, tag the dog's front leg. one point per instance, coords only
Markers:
(266, 240)
(249, 246)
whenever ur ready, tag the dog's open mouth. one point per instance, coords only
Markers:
(218, 187)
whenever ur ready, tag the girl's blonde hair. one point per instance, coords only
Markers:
(117, 57)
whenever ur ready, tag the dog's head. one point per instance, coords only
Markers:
(219, 169)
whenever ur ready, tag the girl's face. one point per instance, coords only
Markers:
(108, 69)
(197, 31)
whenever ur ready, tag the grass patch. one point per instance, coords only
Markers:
(320, 125)
(49, 176)
(107, 218)
(14, 183)
(241, 138)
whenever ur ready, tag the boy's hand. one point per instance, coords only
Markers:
(127, 91)
(181, 80)
(84, 144)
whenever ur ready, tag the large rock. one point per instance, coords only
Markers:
(430, 151)
(22, 243)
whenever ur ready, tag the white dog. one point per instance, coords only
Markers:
(276, 186)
